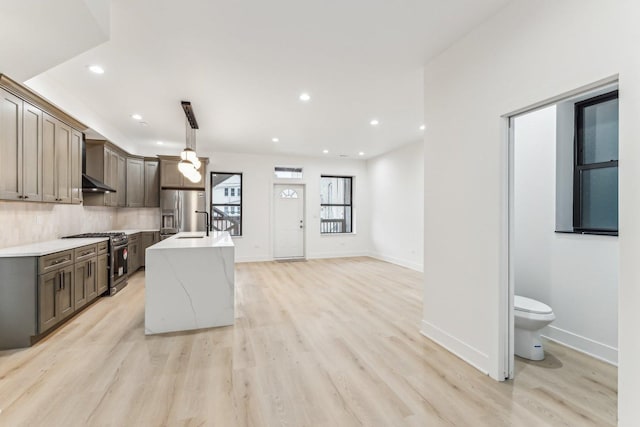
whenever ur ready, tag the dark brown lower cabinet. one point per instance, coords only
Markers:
(85, 283)
(149, 238)
(55, 297)
(102, 274)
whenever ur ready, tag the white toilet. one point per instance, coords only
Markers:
(530, 317)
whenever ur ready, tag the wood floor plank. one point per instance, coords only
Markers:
(331, 342)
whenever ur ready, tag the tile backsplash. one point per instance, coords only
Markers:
(22, 223)
(143, 218)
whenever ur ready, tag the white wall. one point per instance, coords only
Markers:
(529, 52)
(577, 275)
(256, 243)
(396, 180)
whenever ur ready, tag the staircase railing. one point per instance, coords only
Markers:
(221, 221)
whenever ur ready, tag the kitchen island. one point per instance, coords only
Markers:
(189, 283)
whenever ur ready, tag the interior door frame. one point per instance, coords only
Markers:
(506, 359)
(304, 218)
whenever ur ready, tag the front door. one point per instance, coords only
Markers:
(289, 221)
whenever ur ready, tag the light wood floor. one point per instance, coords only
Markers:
(318, 343)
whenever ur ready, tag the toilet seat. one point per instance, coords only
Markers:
(529, 305)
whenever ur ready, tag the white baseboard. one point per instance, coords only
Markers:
(595, 349)
(252, 259)
(398, 261)
(322, 255)
(472, 356)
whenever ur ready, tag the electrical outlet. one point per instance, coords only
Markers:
(38, 219)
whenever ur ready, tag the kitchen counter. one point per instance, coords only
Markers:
(189, 283)
(136, 231)
(48, 247)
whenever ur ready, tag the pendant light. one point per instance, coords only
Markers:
(189, 162)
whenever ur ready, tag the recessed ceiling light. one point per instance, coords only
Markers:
(361, 153)
(422, 127)
(275, 139)
(325, 151)
(160, 143)
(136, 117)
(96, 69)
(305, 97)
(374, 122)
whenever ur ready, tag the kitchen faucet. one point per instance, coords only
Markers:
(206, 220)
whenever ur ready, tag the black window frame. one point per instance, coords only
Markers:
(213, 205)
(579, 165)
(345, 205)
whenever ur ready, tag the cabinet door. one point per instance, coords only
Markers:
(170, 176)
(48, 159)
(151, 184)
(65, 294)
(63, 156)
(31, 153)
(48, 286)
(75, 166)
(122, 181)
(147, 240)
(79, 284)
(135, 183)
(10, 146)
(134, 251)
(102, 274)
(91, 284)
(113, 178)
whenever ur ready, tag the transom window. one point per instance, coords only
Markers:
(287, 172)
(226, 202)
(336, 210)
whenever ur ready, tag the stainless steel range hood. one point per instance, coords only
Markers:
(92, 185)
(89, 183)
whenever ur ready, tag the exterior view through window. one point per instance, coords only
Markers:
(226, 202)
(336, 198)
(595, 184)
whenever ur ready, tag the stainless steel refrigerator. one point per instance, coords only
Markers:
(178, 209)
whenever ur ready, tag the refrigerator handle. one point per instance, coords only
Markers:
(180, 212)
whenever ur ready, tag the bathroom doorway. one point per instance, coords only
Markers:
(563, 244)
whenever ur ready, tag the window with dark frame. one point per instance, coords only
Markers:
(595, 179)
(336, 204)
(226, 202)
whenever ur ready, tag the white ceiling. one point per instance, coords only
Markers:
(244, 63)
(36, 35)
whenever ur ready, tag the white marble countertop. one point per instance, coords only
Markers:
(196, 239)
(134, 231)
(189, 283)
(48, 247)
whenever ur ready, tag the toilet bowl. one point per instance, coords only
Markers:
(530, 317)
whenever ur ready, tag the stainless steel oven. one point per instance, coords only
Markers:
(118, 254)
(119, 264)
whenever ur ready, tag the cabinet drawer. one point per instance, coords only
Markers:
(54, 261)
(85, 252)
(134, 237)
(103, 247)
